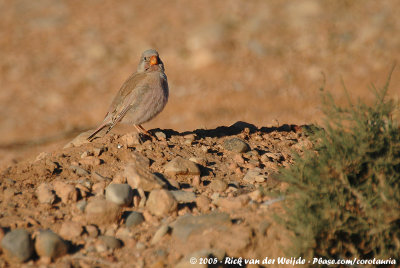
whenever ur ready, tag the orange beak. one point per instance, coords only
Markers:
(153, 60)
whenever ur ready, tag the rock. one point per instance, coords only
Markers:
(120, 194)
(45, 194)
(106, 242)
(70, 230)
(134, 218)
(161, 202)
(203, 203)
(160, 135)
(159, 234)
(140, 177)
(185, 225)
(98, 177)
(218, 185)
(236, 145)
(254, 175)
(79, 171)
(232, 203)
(89, 161)
(131, 139)
(199, 160)
(101, 211)
(92, 230)
(183, 196)
(123, 233)
(79, 140)
(81, 205)
(17, 245)
(49, 244)
(66, 192)
(98, 188)
(180, 166)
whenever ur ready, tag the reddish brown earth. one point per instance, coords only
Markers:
(262, 62)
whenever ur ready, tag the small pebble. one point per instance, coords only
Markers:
(120, 194)
(102, 212)
(134, 219)
(70, 230)
(218, 185)
(236, 145)
(49, 244)
(45, 194)
(161, 202)
(181, 166)
(17, 245)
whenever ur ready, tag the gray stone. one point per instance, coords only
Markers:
(134, 219)
(110, 242)
(184, 196)
(181, 166)
(159, 234)
(17, 245)
(161, 202)
(49, 244)
(120, 194)
(188, 224)
(101, 211)
(236, 145)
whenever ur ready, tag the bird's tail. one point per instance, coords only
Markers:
(90, 138)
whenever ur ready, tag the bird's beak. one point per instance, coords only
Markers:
(153, 60)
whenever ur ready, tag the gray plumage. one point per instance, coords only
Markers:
(142, 96)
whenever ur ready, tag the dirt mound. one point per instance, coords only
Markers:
(125, 199)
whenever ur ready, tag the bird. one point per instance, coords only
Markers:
(141, 97)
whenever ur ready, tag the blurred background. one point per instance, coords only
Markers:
(263, 62)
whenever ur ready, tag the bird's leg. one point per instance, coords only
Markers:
(141, 129)
(144, 130)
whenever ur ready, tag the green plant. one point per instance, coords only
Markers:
(344, 198)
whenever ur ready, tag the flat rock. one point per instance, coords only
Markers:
(45, 194)
(120, 194)
(188, 224)
(49, 244)
(232, 203)
(101, 211)
(134, 218)
(254, 175)
(181, 166)
(140, 177)
(17, 245)
(161, 202)
(236, 145)
(184, 196)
